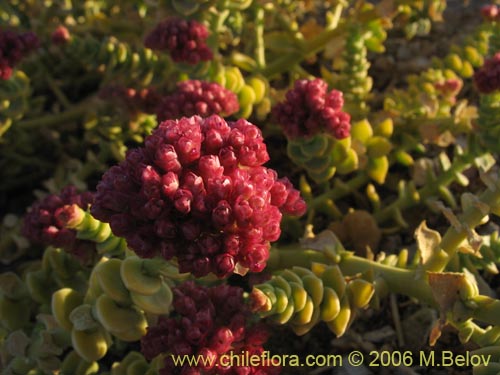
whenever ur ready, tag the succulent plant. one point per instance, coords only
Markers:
(158, 145)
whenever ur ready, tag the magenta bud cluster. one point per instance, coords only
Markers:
(449, 88)
(487, 78)
(309, 108)
(198, 191)
(13, 48)
(184, 40)
(60, 35)
(200, 98)
(42, 224)
(490, 12)
(208, 322)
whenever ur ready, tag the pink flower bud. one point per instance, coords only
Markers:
(209, 209)
(309, 109)
(184, 40)
(49, 220)
(60, 35)
(487, 78)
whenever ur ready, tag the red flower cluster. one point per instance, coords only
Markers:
(42, 226)
(487, 78)
(191, 98)
(310, 109)
(490, 12)
(198, 191)
(200, 98)
(60, 36)
(184, 40)
(13, 47)
(209, 322)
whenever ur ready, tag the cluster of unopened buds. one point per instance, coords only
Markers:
(449, 88)
(490, 12)
(210, 323)
(13, 47)
(184, 40)
(195, 97)
(487, 78)
(309, 108)
(191, 97)
(42, 226)
(60, 35)
(198, 191)
(175, 242)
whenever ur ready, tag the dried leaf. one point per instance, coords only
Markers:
(422, 169)
(431, 133)
(445, 288)
(387, 8)
(428, 241)
(240, 270)
(466, 248)
(333, 50)
(436, 11)
(470, 200)
(321, 241)
(435, 333)
(310, 29)
(475, 240)
(449, 215)
(490, 181)
(326, 242)
(484, 162)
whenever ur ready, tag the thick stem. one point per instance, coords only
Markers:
(333, 18)
(429, 190)
(63, 99)
(411, 283)
(319, 43)
(310, 47)
(340, 190)
(260, 55)
(282, 64)
(71, 114)
(453, 237)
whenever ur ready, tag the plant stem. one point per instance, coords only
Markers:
(430, 189)
(63, 99)
(411, 283)
(313, 46)
(320, 42)
(340, 190)
(282, 64)
(471, 218)
(54, 119)
(334, 17)
(260, 55)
